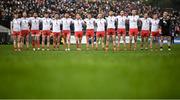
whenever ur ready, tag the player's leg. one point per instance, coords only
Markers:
(169, 42)
(27, 40)
(69, 40)
(54, 41)
(130, 40)
(97, 41)
(114, 42)
(135, 41)
(14, 42)
(48, 42)
(124, 40)
(142, 42)
(19, 42)
(146, 42)
(38, 40)
(92, 41)
(33, 40)
(43, 40)
(151, 42)
(102, 42)
(161, 42)
(87, 42)
(80, 44)
(58, 41)
(107, 42)
(119, 39)
(77, 42)
(156, 42)
(64, 35)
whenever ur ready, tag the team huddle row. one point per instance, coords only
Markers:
(22, 27)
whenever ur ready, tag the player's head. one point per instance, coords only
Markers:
(16, 15)
(46, 14)
(66, 15)
(145, 15)
(122, 13)
(56, 16)
(35, 14)
(133, 12)
(155, 16)
(24, 14)
(111, 13)
(165, 14)
(100, 16)
(78, 16)
(89, 15)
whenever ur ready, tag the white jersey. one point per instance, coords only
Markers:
(66, 22)
(121, 21)
(56, 25)
(89, 23)
(133, 21)
(100, 24)
(46, 22)
(111, 21)
(16, 25)
(145, 23)
(34, 23)
(24, 23)
(78, 25)
(154, 25)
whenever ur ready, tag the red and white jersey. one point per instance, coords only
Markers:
(133, 21)
(111, 21)
(154, 25)
(56, 25)
(100, 24)
(121, 21)
(46, 22)
(34, 23)
(24, 23)
(78, 24)
(66, 22)
(89, 23)
(16, 25)
(145, 23)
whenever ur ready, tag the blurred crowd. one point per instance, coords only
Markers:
(8, 7)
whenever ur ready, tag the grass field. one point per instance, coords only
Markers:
(89, 74)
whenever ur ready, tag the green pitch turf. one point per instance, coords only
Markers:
(89, 74)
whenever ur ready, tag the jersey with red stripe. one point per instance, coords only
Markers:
(89, 23)
(111, 21)
(133, 21)
(66, 22)
(16, 25)
(121, 21)
(100, 24)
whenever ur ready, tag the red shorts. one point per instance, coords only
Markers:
(16, 33)
(46, 32)
(24, 32)
(35, 32)
(56, 34)
(79, 34)
(145, 33)
(100, 34)
(121, 31)
(90, 32)
(155, 33)
(110, 31)
(66, 33)
(133, 32)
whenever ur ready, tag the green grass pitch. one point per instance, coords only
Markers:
(89, 74)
